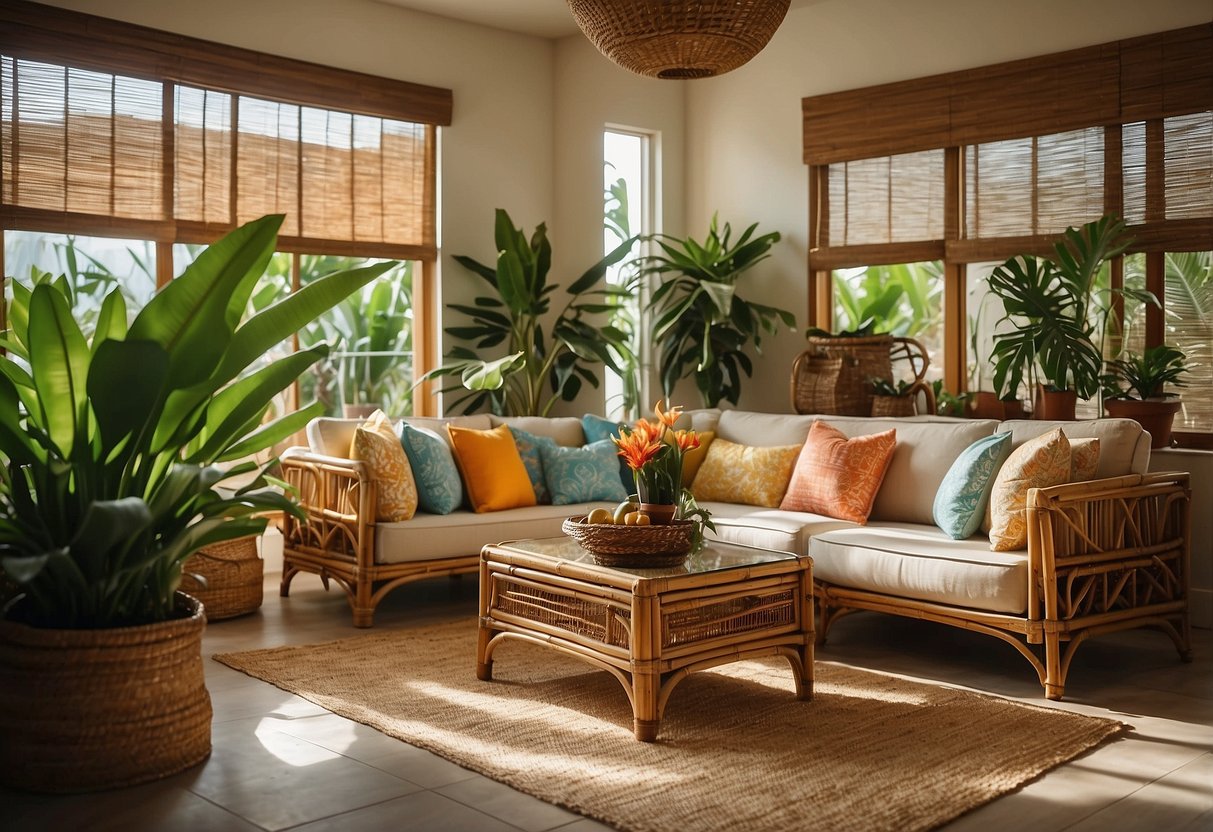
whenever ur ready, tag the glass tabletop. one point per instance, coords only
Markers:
(713, 557)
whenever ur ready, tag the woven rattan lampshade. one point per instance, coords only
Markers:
(679, 38)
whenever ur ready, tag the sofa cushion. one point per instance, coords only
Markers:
(565, 430)
(769, 528)
(733, 473)
(960, 502)
(921, 562)
(332, 437)
(1084, 459)
(528, 445)
(578, 475)
(1124, 448)
(464, 533)
(376, 444)
(837, 476)
(1038, 463)
(439, 488)
(437, 424)
(493, 474)
(744, 427)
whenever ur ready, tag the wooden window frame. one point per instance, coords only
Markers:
(1143, 79)
(72, 39)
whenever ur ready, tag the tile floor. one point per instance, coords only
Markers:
(280, 762)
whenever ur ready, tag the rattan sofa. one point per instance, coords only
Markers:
(1103, 555)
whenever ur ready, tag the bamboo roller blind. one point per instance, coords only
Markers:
(202, 159)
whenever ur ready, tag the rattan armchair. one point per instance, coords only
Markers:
(1104, 555)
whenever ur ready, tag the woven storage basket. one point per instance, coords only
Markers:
(82, 710)
(832, 375)
(234, 577)
(639, 546)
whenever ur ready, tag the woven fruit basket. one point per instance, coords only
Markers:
(651, 547)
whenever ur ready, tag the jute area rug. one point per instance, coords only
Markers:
(735, 751)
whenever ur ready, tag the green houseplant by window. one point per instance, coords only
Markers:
(1056, 312)
(112, 451)
(1135, 388)
(544, 364)
(702, 325)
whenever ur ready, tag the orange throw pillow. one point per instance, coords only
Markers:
(493, 472)
(839, 477)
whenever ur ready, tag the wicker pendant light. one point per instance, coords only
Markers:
(679, 38)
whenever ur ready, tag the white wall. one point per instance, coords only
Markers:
(743, 153)
(498, 149)
(590, 94)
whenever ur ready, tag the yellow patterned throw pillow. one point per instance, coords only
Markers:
(1037, 463)
(733, 473)
(1084, 459)
(376, 444)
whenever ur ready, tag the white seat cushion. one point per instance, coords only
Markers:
(915, 561)
(430, 536)
(770, 528)
(565, 430)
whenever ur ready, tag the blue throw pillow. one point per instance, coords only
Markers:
(579, 475)
(960, 502)
(528, 448)
(596, 429)
(439, 489)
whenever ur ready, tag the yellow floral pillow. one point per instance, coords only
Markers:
(1084, 459)
(1038, 463)
(375, 443)
(733, 473)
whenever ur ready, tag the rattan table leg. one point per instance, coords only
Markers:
(484, 665)
(646, 685)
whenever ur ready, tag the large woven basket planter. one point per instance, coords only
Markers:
(84, 710)
(235, 577)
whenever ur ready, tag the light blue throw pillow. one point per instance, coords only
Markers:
(960, 502)
(597, 429)
(439, 488)
(579, 475)
(528, 448)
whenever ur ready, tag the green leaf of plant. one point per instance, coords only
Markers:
(274, 432)
(126, 385)
(59, 359)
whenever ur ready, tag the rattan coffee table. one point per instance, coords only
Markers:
(649, 628)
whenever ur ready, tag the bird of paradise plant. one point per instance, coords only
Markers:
(654, 451)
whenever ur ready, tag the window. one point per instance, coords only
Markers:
(906, 298)
(627, 212)
(100, 139)
(1012, 168)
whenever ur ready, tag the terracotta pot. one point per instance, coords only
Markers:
(1055, 405)
(83, 710)
(987, 405)
(1154, 415)
(660, 514)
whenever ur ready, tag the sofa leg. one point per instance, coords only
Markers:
(288, 575)
(1055, 680)
(364, 617)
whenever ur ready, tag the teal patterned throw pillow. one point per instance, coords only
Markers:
(579, 475)
(960, 502)
(528, 448)
(598, 428)
(439, 488)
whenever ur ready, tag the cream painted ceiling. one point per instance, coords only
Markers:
(545, 18)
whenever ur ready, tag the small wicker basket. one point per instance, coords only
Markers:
(234, 578)
(651, 547)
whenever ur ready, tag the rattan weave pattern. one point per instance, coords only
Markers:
(599, 621)
(234, 578)
(748, 613)
(679, 38)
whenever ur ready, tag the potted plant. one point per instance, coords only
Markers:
(112, 451)
(702, 326)
(544, 364)
(1135, 388)
(1055, 318)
